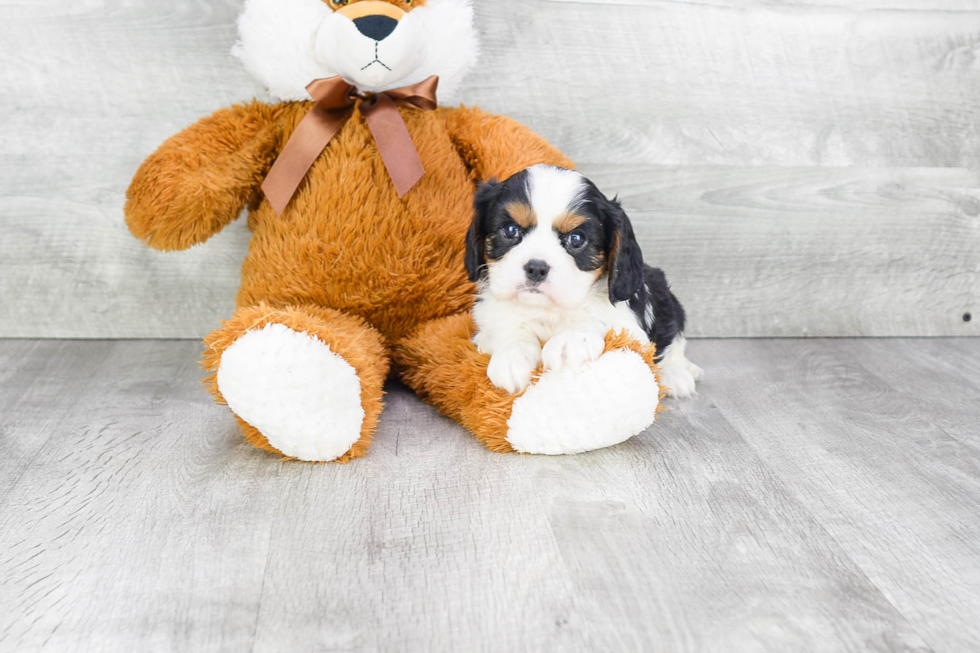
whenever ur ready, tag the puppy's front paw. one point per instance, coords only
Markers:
(572, 349)
(510, 369)
(695, 371)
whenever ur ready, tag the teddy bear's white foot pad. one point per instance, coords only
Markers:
(597, 405)
(303, 397)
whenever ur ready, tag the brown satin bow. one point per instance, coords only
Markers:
(333, 98)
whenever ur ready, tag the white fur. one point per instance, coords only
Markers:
(290, 386)
(501, 321)
(566, 286)
(570, 311)
(286, 44)
(677, 374)
(368, 64)
(572, 349)
(513, 331)
(276, 44)
(552, 192)
(510, 368)
(557, 414)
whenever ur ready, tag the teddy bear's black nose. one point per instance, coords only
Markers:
(376, 27)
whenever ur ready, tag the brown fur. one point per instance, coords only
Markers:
(522, 214)
(346, 242)
(487, 248)
(404, 5)
(201, 179)
(440, 362)
(360, 8)
(348, 336)
(614, 249)
(569, 221)
(601, 271)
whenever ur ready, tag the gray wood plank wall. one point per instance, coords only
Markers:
(798, 168)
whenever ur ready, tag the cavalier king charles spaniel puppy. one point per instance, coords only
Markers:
(557, 263)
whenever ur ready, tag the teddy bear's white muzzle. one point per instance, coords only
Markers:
(374, 53)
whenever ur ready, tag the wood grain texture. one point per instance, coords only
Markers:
(687, 531)
(879, 442)
(134, 525)
(815, 496)
(48, 380)
(804, 5)
(752, 83)
(811, 251)
(859, 99)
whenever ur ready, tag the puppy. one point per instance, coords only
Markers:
(557, 263)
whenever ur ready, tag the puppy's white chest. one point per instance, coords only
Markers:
(501, 321)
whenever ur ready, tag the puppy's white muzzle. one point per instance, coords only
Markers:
(565, 286)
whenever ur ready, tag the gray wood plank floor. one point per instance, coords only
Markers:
(817, 495)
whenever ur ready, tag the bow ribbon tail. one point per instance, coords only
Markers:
(395, 145)
(311, 137)
(333, 96)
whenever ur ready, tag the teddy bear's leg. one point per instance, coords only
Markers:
(600, 404)
(303, 381)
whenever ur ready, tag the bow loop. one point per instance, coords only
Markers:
(333, 96)
(421, 95)
(332, 93)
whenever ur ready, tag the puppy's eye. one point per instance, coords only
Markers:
(511, 231)
(337, 4)
(575, 240)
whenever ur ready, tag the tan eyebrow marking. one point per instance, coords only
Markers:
(568, 221)
(522, 214)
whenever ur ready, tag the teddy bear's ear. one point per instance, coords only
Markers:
(276, 44)
(452, 45)
(487, 196)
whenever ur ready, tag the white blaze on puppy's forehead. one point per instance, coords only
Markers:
(554, 192)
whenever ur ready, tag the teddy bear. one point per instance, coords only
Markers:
(359, 183)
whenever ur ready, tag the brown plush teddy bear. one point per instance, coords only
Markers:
(356, 256)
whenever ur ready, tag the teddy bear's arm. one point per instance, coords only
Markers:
(497, 146)
(200, 179)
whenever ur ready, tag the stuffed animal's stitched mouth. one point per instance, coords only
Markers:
(376, 60)
(379, 62)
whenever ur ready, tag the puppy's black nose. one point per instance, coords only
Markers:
(375, 27)
(536, 270)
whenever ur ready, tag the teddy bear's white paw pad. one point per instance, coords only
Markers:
(297, 392)
(572, 349)
(601, 403)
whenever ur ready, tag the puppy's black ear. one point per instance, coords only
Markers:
(476, 256)
(625, 256)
